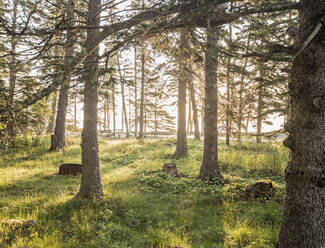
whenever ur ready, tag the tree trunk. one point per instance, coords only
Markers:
(210, 166)
(195, 111)
(303, 223)
(12, 79)
(59, 132)
(90, 180)
(75, 111)
(51, 125)
(247, 123)
(202, 108)
(189, 116)
(135, 94)
(259, 111)
(108, 112)
(142, 90)
(123, 100)
(105, 115)
(114, 108)
(181, 144)
(241, 92)
(145, 116)
(229, 86)
(155, 111)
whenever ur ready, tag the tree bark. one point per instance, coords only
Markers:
(189, 116)
(210, 166)
(259, 110)
(107, 112)
(229, 86)
(142, 90)
(75, 111)
(114, 108)
(303, 223)
(195, 111)
(202, 108)
(51, 125)
(90, 180)
(135, 94)
(59, 132)
(181, 143)
(123, 100)
(12, 79)
(247, 124)
(105, 115)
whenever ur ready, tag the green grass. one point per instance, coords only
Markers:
(142, 208)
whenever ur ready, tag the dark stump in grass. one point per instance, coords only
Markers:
(70, 169)
(260, 189)
(170, 169)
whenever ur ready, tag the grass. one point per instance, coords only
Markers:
(142, 208)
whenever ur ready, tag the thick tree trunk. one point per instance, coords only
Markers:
(304, 211)
(59, 132)
(210, 166)
(195, 111)
(90, 180)
(51, 125)
(142, 90)
(181, 144)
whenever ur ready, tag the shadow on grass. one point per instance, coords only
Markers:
(134, 214)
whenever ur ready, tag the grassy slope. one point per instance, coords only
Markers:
(142, 209)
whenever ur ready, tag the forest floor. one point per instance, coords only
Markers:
(142, 208)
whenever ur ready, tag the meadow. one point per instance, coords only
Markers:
(142, 207)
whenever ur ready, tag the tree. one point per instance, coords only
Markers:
(195, 110)
(210, 166)
(90, 180)
(142, 107)
(51, 124)
(12, 78)
(229, 102)
(122, 81)
(135, 93)
(183, 77)
(303, 216)
(157, 99)
(58, 138)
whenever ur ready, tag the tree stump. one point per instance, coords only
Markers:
(260, 189)
(70, 169)
(170, 169)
